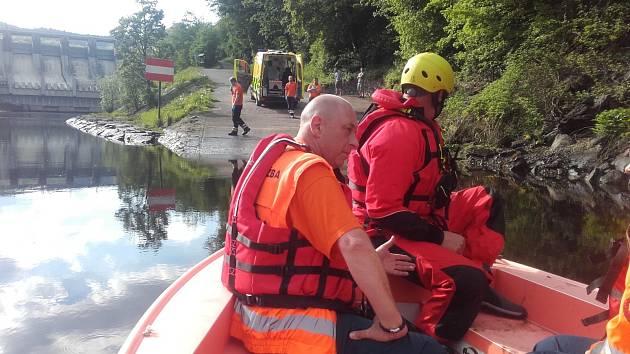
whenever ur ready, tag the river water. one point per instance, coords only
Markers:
(92, 232)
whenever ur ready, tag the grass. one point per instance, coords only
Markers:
(197, 101)
(195, 95)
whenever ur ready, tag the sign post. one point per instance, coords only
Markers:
(159, 70)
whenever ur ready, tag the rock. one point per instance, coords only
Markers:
(479, 151)
(583, 114)
(518, 143)
(519, 166)
(573, 175)
(592, 177)
(622, 160)
(613, 177)
(561, 140)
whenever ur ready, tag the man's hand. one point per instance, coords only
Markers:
(394, 264)
(454, 242)
(375, 332)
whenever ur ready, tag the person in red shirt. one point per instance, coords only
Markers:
(237, 106)
(290, 93)
(314, 89)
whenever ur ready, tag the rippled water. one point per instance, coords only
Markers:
(86, 244)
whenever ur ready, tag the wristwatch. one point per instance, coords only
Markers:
(395, 329)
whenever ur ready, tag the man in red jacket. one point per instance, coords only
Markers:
(403, 182)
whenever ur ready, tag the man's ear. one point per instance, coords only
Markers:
(316, 126)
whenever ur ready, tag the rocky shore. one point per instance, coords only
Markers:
(586, 160)
(566, 160)
(114, 131)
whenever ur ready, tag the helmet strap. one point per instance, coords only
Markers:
(438, 105)
(416, 112)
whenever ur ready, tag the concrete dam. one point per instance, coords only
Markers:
(42, 71)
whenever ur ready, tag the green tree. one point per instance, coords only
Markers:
(110, 91)
(189, 38)
(136, 37)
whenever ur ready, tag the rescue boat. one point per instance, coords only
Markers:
(193, 314)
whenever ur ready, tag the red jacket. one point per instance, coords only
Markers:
(397, 161)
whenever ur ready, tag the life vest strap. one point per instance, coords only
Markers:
(273, 248)
(293, 302)
(596, 318)
(291, 270)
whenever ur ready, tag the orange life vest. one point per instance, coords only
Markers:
(618, 328)
(278, 267)
(314, 91)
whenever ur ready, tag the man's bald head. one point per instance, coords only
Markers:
(328, 125)
(326, 106)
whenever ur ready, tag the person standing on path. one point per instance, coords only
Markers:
(237, 106)
(338, 83)
(360, 83)
(290, 93)
(314, 89)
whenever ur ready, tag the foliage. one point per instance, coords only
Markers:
(110, 93)
(613, 122)
(136, 37)
(178, 108)
(188, 76)
(193, 94)
(521, 67)
(189, 38)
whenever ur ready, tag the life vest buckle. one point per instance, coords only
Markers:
(286, 270)
(275, 249)
(251, 300)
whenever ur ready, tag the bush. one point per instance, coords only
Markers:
(613, 123)
(190, 75)
(110, 92)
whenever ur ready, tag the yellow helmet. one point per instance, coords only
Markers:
(428, 71)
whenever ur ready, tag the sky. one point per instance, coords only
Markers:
(94, 17)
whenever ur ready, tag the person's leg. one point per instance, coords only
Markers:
(240, 121)
(293, 105)
(413, 343)
(564, 344)
(477, 214)
(452, 307)
(471, 285)
(235, 120)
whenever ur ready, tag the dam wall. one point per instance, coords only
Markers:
(49, 71)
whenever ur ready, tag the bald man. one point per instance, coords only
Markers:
(302, 194)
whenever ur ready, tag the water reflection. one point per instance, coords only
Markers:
(557, 228)
(83, 252)
(86, 247)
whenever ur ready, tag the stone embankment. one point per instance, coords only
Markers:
(114, 131)
(566, 160)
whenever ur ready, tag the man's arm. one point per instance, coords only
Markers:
(366, 269)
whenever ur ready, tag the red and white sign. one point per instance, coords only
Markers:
(161, 199)
(159, 69)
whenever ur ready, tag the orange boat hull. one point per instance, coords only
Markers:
(193, 314)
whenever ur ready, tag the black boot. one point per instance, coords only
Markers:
(496, 304)
(234, 132)
(246, 129)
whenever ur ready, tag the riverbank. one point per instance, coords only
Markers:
(562, 160)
